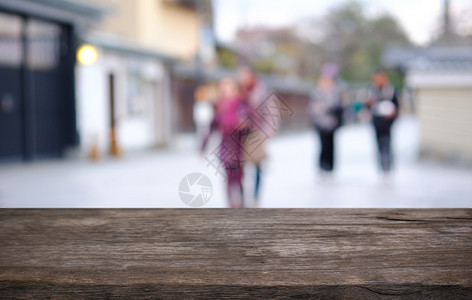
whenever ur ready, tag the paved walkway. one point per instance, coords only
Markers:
(151, 179)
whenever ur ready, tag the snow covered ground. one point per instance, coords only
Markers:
(151, 179)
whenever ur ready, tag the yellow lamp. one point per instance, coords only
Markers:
(87, 55)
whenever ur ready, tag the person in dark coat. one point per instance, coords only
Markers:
(383, 103)
(326, 112)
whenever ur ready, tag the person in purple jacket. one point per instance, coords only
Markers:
(231, 114)
(326, 112)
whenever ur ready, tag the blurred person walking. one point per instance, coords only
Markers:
(231, 112)
(203, 110)
(326, 112)
(383, 103)
(254, 92)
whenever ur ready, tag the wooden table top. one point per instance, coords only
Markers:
(248, 253)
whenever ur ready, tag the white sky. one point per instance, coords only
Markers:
(420, 18)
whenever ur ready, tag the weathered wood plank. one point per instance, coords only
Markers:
(268, 253)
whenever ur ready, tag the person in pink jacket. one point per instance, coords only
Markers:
(231, 112)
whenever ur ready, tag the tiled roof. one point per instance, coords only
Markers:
(458, 59)
(400, 56)
(431, 59)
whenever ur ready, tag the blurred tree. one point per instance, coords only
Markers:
(227, 58)
(265, 66)
(346, 35)
(356, 41)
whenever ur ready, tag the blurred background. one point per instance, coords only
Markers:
(98, 97)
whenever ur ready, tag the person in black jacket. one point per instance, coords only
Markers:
(383, 102)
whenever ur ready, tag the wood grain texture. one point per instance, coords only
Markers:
(259, 253)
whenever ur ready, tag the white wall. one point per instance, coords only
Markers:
(92, 107)
(134, 131)
(445, 118)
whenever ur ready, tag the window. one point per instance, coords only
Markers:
(11, 47)
(136, 98)
(43, 44)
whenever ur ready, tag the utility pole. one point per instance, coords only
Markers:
(447, 26)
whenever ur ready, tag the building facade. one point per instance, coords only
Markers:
(38, 41)
(124, 98)
(442, 83)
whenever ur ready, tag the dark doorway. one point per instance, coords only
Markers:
(11, 103)
(37, 108)
(114, 149)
